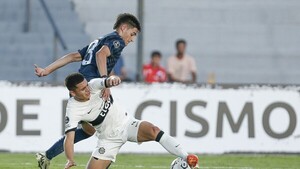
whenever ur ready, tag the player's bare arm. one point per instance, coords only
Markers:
(71, 57)
(69, 149)
(101, 56)
(88, 128)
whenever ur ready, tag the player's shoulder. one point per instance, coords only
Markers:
(77, 108)
(112, 36)
(113, 40)
(71, 103)
(71, 107)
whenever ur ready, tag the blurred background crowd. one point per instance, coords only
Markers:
(195, 41)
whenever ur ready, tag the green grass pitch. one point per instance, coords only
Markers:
(149, 161)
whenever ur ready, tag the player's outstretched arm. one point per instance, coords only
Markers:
(71, 57)
(69, 149)
(101, 59)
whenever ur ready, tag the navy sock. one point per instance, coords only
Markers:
(58, 147)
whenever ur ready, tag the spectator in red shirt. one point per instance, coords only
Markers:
(153, 72)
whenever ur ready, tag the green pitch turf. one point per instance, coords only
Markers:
(132, 161)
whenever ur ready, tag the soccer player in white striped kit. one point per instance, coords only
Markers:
(114, 127)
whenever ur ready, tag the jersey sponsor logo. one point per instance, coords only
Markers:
(101, 150)
(105, 108)
(116, 44)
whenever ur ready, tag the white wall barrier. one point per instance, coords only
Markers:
(202, 120)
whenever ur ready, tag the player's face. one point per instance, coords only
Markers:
(129, 34)
(82, 92)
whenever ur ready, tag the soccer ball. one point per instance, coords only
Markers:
(179, 163)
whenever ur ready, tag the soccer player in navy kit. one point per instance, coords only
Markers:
(97, 60)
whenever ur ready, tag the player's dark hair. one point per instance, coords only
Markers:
(155, 53)
(72, 80)
(179, 41)
(127, 18)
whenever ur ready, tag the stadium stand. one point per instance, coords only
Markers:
(241, 41)
(20, 50)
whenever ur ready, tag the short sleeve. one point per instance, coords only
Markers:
(71, 121)
(83, 51)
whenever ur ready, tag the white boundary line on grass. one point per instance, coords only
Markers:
(141, 166)
(156, 167)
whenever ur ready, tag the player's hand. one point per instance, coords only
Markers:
(113, 81)
(40, 72)
(110, 81)
(70, 164)
(105, 94)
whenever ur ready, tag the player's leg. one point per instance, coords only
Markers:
(106, 151)
(95, 163)
(149, 132)
(80, 134)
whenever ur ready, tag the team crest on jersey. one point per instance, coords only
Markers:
(101, 150)
(67, 120)
(116, 44)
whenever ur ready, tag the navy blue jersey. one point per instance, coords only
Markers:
(89, 66)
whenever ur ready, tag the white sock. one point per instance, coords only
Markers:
(172, 146)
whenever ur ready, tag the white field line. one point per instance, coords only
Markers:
(156, 167)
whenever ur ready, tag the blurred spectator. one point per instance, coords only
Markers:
(182, 67)
(120, 70)
(153, 72)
